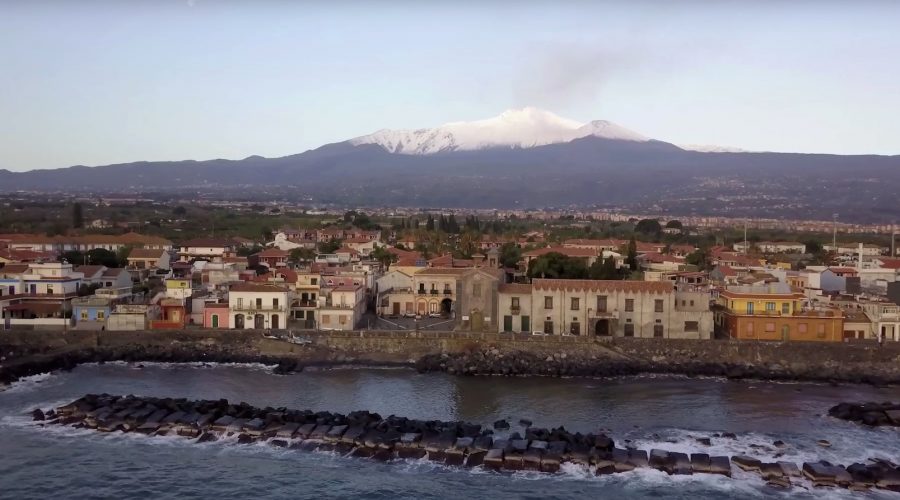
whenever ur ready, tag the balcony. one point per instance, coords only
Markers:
(434, 292)
(307, 303)
(447, 291)
(422, 291)
(258, 308)
(515, 310)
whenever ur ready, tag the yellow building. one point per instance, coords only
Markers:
(775, 312)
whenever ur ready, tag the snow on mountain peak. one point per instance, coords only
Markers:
(514, 128)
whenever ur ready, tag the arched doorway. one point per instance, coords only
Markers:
(239, 321)
(259, 322)
(274, 321)
(446, 307)
(601, 328)
(421, 307)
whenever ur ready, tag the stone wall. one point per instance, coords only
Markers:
(475, 353)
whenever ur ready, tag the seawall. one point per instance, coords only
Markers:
(29, 352)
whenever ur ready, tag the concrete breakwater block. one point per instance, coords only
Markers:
(367, 435)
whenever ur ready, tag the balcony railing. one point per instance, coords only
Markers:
(447, 291)
(515, 310)
(422, 291)
(434, 292)
(256, 307)
(338, 306)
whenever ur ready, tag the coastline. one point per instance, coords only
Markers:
(482, 361)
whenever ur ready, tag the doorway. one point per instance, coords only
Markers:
(601, 328)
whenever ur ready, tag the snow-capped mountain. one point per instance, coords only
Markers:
(515, 128)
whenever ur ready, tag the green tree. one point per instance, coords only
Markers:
(102, 257)
(429, 224)
(631, 254)
(699, 258)
(77, 216)
(330, 246)
(180, 211)
(73, 257)
(557, 265)
(674, 224)
(384, 257)
(302, 255)
(604, 269)
(510, 255)
(244, 251)
(650, 227)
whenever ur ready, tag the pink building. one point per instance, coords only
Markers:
(216, 316)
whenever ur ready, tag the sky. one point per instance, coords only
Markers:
(101, 82)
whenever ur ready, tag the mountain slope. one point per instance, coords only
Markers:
(596, 164)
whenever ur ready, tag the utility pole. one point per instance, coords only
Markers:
(893, 245)
(745, 237)
(834, 232)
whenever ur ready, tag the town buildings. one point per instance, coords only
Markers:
(605, 308)
(776, 312)
(258, 305)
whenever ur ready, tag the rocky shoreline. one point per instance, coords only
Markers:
(494, 361)
(483, 361)
(870, 414)
(364, 434)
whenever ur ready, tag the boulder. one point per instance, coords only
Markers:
(475, 458)
(720, 465)
(550, 462)
(532, 459)
(493, 459)
(790, 469)
(700, 463)
(747, 463)
(660, 460)
(638, 458)
(501, 424)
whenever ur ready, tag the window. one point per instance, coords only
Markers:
(259, 303)
(749, 307)
(750, 328)
(629, 329)
(576, 303)
(548, 302)
(314, 281)
(802, 327)
(548, 327)
(770, 326)
(84, 314)
(658, 331)
(629, 305)
(101, 315)
(692, 303)
(575, 328)
(342, 319)
(770, 306)
(240, 303)
(786, 308)
(326, 319)
(476, 290)
(515, 302)
(275, 303)
(601, 303)
(691, 326)
(658, 305)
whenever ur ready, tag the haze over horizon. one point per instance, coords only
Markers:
(103, 82)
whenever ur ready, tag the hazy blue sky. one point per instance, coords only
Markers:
(97, 82)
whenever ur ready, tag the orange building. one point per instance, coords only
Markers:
(775, 312)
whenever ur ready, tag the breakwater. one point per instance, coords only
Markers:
(369, 435)
(871, 414)
(31, 352)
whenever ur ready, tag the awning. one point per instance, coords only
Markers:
(36, 307)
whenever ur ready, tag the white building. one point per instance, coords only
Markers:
(605, 308)
(258, 306)
(342, 308)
